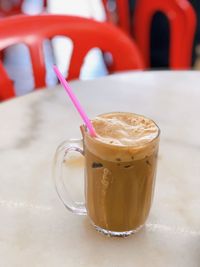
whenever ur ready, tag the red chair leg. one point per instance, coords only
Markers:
(182, 20)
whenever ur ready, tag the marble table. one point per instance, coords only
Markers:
(36, 229)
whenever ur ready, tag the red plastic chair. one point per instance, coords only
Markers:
(182, 19)
(85, 34)
(122, 11)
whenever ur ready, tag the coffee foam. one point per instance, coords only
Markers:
(124, 129)
(122, 136)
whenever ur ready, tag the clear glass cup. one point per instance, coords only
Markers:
(119, 183)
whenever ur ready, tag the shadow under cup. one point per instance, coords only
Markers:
(119, 184)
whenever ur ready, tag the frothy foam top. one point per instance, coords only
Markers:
(124, 129)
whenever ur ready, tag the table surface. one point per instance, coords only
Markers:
(36, 229)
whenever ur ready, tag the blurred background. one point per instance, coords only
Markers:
(129, 15)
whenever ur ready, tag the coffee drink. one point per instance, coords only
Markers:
(120, 170)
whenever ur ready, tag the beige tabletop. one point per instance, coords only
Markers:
(36, 229)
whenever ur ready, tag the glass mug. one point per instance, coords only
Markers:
(119, 182)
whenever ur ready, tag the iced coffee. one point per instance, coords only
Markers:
(120, 171)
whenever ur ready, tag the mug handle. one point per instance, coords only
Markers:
(62, 151)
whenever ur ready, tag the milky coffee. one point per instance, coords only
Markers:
(120, 170)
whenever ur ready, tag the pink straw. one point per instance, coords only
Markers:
(75, 101)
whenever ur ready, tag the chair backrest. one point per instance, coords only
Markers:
(123, 14)
(84, 33)
(182, 21)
